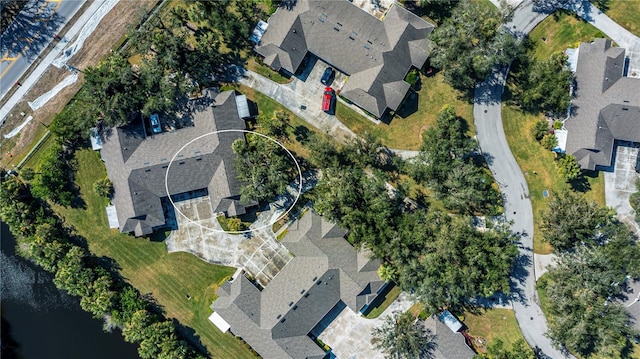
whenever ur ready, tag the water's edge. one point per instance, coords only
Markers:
(40, 321)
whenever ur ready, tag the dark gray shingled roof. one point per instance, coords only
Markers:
(137, 165)
(325, 271)
(376, 54)
(606, 106)
(448, 345)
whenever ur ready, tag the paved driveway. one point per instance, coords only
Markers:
(620, 183)
(349, 334)
(259, 254)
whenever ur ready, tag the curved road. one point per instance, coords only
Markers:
(490, 135)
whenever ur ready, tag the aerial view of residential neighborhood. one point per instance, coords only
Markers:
(317, 179)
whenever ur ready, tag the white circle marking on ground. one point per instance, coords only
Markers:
(166, 185)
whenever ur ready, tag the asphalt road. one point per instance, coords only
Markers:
(490, 134)
(29, 34)
(513, 186)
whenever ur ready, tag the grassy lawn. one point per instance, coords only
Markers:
(148, 267)
(404, 132)
(389, 297)
(533, 158)
(34, 160)
(626, 13)
(561, 30)
(264, 70)
(298, 128)
(494, 324)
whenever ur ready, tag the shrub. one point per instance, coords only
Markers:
(539, 129)
(103, 187)
(568, 167)
(549, 141)
(412, 78)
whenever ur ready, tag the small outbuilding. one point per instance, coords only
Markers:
(450, 321)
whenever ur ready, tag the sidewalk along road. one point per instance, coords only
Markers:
(50, 57)
(35, 27)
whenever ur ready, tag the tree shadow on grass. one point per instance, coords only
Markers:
(301, 134)
(582, 184)
(191, 336)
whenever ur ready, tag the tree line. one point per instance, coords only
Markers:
(42, 238)
(597, 259)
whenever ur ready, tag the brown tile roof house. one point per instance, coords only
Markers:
(606, 106)
(325, 272)
(137, 164)
(376, 54)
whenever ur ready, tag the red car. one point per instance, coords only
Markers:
(327, 99)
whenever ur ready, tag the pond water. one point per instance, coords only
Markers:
(41, 322)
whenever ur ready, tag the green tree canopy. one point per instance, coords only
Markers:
(519, 350)
(402, 337)
(571, 219)
(360, 202)
(445, 162)
(568, 167)
(547, 86)
(265, 168)
(52, 178)
(585, 317)
(446, 260)
(469, 44)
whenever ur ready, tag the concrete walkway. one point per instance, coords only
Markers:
(543, 262)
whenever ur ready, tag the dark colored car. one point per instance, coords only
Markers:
(638, 163)
(327, 76)
(328, 98)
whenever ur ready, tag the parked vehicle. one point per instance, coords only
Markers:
(328, 99)
(327, 76)
(155, 123)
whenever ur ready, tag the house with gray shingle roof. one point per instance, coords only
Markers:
(449, 344)
(137, 164)
(606, 107)
(376, 54)
(325, 274)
